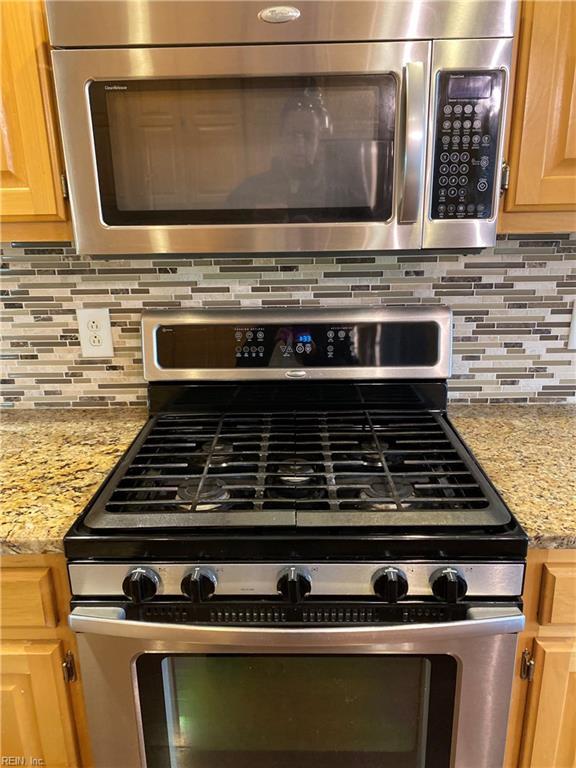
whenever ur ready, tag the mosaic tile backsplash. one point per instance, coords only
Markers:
(512, 308)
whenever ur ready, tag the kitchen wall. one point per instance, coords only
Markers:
(511, 306)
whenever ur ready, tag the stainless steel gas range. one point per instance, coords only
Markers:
(298, 562)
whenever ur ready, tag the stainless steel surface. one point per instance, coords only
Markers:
(413, 172)
(302, 639)
(483, 648)
(465, 54)
(153, 319)
(75, 69)
(491, 579)
(94, 23)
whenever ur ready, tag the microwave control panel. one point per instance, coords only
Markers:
(468, 109)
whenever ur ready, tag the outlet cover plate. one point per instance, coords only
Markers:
(95, 332)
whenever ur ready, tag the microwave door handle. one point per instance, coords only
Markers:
(414, 141)
(479, 621)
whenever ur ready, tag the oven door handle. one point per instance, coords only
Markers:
(479, 621)
(416, 111)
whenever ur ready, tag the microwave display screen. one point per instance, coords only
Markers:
(245, 150)
(470, 87)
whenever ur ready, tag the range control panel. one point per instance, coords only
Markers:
(468, 110)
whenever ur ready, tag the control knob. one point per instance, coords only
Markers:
(199, 584)
(294, 584)
(141, 584)
(448, 585)
(390, 584)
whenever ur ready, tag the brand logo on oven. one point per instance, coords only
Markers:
(279, 14)
(115, 87)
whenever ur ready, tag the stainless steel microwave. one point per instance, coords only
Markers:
(219, 127)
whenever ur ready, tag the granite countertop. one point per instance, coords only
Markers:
(52, 461)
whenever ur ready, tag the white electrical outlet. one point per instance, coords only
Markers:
(95, 332)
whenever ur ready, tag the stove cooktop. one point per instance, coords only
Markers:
(331, 442)
(350, 467)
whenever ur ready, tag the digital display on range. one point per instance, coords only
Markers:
(297, 346)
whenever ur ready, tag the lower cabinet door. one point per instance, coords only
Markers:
(37, 723)
(550, 724)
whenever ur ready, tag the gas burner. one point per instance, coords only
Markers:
(218, 455)
(293, 479)
(211, 496)
(379, 494)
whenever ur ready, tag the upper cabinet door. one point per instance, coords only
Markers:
(542, 153)
(30, 181)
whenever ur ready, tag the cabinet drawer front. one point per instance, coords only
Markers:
(28, 598)
(558, 594)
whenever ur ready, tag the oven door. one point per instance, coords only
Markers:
(416, 696)
(245, 148)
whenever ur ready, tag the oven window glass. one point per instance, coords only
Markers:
(307, 711)
(245, 150)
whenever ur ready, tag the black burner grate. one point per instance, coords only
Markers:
(350, 467)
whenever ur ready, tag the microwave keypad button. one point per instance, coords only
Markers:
(442, 208)
(454, 157)
(443, 180)
(452, 192)
(480, 207)
(464, 168)
(468, 108)
(454, 168)
(444, 169)
(444, 157)
(447, 109)
(478, 108)
(465, 139)
(475, 139)
(484, 161)
(451, 208)
(458, 109)
(486, 139)
(453, 180)
(445, 139)
(461, 208)
(457, 125)
(442, 192)
(471, 207)
(463, 181)
(467, 124)
(477, 124)
(482, 185)
(461, 194)
(464, 157)
(446, 125)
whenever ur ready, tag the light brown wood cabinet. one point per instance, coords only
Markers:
(542, 129)
(43, 717)
(32, 204)
(542, 726)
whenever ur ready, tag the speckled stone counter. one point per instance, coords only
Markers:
(53, 460)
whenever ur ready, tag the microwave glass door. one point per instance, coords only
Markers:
(245, 150)
(280, 711)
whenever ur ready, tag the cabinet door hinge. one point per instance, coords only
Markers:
(527, 666)
(504, 178)
(69, 667)
(64, 185)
